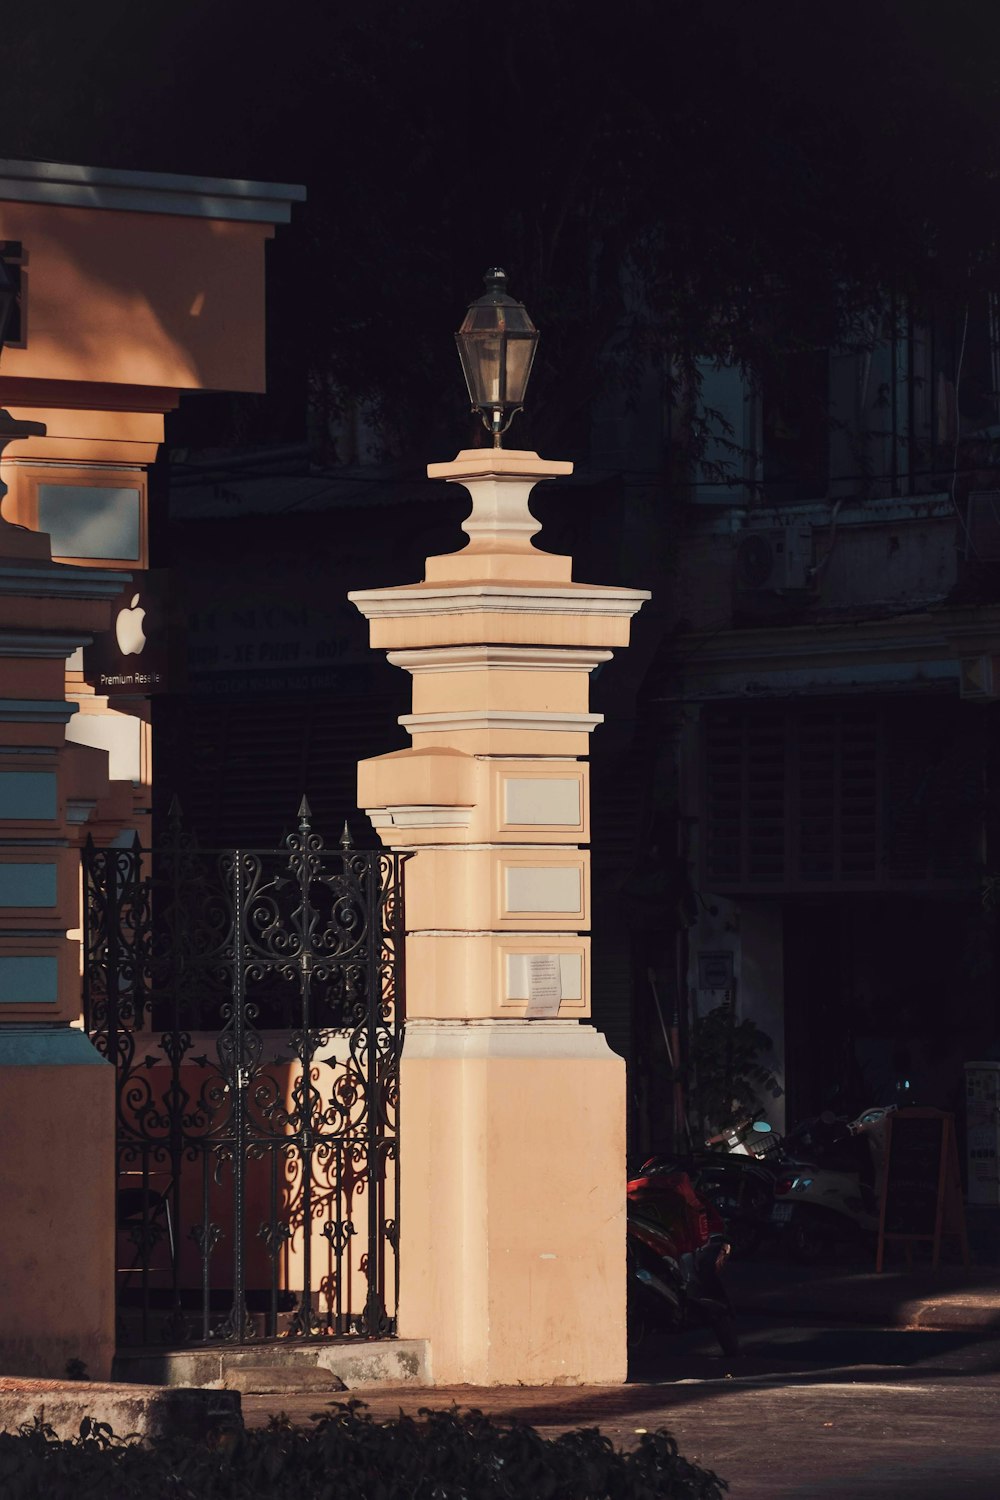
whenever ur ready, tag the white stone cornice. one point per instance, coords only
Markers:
(499, 1037)
(419, 817)
(492, 598)
(500, 464)
(502, 658)
(497, 719)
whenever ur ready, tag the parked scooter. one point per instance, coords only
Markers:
(676, 1251)
(827, 1192)
(734, 1175)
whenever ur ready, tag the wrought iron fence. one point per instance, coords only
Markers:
(249, 1000)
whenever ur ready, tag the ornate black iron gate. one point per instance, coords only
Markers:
(249, 1000)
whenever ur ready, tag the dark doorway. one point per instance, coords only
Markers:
(884, 991)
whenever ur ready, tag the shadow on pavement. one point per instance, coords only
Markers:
(787, 1348)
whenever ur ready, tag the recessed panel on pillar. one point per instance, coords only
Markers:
(27, 796)
(543, 889)
(455, 889)
(39, 978)
(38, 889)
(29, 979)
(541, 800)
(543, 974)
(28, 885)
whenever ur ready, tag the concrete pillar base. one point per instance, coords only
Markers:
(512, 1154)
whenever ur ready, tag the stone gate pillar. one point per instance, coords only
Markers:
(57, 1095)
(512, 1116)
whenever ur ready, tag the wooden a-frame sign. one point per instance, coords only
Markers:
(921, 1186)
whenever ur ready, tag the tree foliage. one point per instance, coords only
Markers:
(725, 1063)
(653, 175)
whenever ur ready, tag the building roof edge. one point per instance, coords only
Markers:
(77, 186)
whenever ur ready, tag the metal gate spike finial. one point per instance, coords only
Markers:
(174, 813)
(304, 815)
(346, 842)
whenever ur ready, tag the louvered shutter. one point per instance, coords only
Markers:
(840, 796)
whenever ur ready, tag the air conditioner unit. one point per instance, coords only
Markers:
(774, 561)
(982, 526)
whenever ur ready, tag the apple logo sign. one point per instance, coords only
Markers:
(128, 629)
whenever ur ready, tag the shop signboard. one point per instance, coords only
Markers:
(134, 657)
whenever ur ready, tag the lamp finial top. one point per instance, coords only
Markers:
(496, 282)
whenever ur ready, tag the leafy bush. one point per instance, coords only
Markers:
(449, 1455)
(729, 1076)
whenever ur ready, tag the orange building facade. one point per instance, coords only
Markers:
(134, 288)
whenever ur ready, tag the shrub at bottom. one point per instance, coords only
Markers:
(347, 1455)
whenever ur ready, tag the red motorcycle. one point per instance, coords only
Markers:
(676, 1251)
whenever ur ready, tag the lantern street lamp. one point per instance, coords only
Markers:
(496, 344)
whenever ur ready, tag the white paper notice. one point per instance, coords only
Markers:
(544, 985)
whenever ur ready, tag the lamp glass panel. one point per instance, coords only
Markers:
(483, 318)
(520, 353)
(516, 320)
(481, 362)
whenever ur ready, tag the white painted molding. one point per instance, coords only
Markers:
(460, 850)
(545, 1037)
(507, 936)
(419, 817)
(499, 463)
(500, 718)
(494, 598)
(499, 658)
(500, 513)
(526, 760)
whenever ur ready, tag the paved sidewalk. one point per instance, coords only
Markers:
(948, 1298)
(770, 1441)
